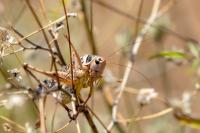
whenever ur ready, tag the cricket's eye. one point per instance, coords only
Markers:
(88, 59)
(97, 61)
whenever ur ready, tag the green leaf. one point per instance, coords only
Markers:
(170, 55)
(187, 120)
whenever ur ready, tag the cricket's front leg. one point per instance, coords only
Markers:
(90, 92)
(62, 76)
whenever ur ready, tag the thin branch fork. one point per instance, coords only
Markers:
(135, 50)
(48, 25)
(75, 100)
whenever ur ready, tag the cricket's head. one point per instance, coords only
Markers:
(96, 64)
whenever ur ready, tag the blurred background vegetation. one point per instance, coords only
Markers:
(167, 61)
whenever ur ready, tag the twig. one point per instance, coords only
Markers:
(38, 22)
(46, 39)
(90, 121)
(109, 100)
(135, 49)
(89, 117)
(48, 25)
(19, 15)
(138, 15)
(116, 102)
(42, 6)
(75, 52)
(14, 52)
(53, 118)
(13, 123)
(57, 48)
(70, 48)
(166, 7)
(100, 121)
(75, 113)
(152, 116)
(145, 29)
(74, 97)
(88, 28)
(43, 32)
(42, 115)
(29, 41)
(63, 127)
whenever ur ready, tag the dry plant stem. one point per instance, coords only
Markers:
(109, 100)
(29, 72)
(116, 101)
(36, 46)
(43, 32)
(47, 26)
(76, 53)
(138, 15)
(161, 113)
(57, 48)
(148, 117)
(91, 16)
(39, 23)
(131, 110)
(17, 57)
(53, 118)
(46, 39)
(89, 117)
(17, 51)
(88, 29)
(42, 5)
(75, 98)
(18, 16)
(14, 52)
(42, 114)
(90, 121)
(159, 46)
(70, 48)
(166, 7)
(62, 128)
(100, 121)
(13, 123)
(41, 103)
(75, 112)
(112, 8)
(135, 124)
(135, 49)
(78, 126)
(145, 29)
